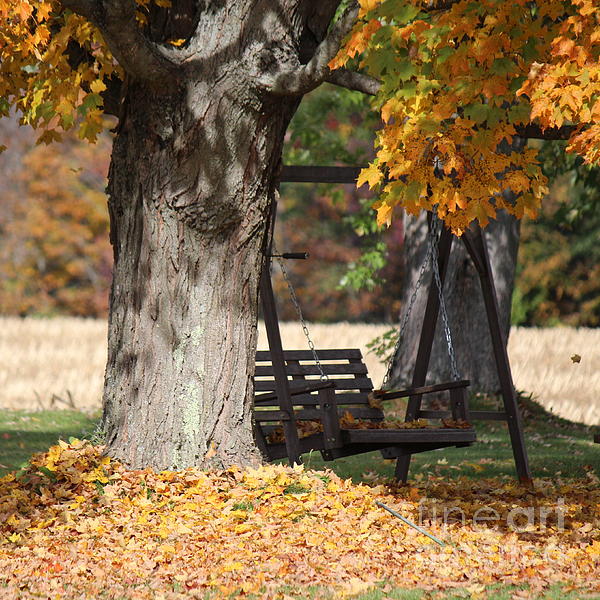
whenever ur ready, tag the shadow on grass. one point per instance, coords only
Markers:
(556, 447)
(23, 434)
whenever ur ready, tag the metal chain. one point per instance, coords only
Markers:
(436, 233)
(431, 257)
(408, 311)
(296, 304)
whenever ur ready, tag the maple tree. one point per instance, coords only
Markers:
(204, 93)
(459, 79)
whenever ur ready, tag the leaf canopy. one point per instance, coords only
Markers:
(458, 82)
(459, 79)
(41, 78)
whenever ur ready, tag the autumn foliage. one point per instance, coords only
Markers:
(52, 92)
(55, 254)
(459, 80)
(74, 520)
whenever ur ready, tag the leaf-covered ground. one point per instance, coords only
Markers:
(75, 524)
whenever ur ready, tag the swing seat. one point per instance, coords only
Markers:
(342, 416)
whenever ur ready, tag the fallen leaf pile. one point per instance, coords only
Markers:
(307, 428)
(76, 524)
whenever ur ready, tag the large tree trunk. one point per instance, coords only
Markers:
(464, 301)
(209, 90)
(191, 182)
(194, 169)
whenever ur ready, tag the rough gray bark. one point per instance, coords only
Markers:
(193, 173)
(464, 301)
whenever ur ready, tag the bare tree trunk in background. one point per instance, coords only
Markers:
(464, 301)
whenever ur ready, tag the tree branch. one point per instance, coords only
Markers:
(552, 133)
(354, 81)
(116, 20)
(86, 8)
(305, 78)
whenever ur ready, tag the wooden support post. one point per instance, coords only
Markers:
(475, 244)
(330, 419)
(282, 387)
(426, 342)
(459, 404)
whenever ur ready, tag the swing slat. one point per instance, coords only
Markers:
(341, 383)
(312, 369)
(389, 437)
(326, 354)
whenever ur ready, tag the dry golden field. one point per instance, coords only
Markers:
(59, 362)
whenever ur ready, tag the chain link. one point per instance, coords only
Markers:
(408, 311)
(436, 232)
(431, 258)
(296, 304)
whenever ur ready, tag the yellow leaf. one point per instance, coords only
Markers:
(243, 528)
(371, 175)
(97, 86)
(232, 566)
(475, 466)
(211, 451)
(366, 6)
(384, 215)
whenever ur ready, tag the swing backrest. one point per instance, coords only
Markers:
(344, 367)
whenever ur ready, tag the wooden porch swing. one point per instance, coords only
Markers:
(323, 400)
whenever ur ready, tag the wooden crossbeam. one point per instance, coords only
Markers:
(315, 174)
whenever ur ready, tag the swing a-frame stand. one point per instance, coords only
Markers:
(474, 241)
(290, 395)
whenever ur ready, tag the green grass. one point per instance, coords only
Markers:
(24, 433)
(386, 591)
(497, 592)
(556, 447)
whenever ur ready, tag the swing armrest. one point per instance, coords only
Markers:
(305, 388)
(418, 391)
(332, 435)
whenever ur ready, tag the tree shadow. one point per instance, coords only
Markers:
(18, 445)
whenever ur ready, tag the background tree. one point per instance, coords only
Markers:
(55, 256)
(559, 262)
(464, 303)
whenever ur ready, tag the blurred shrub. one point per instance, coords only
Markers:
(558, 279)
(55, 255)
